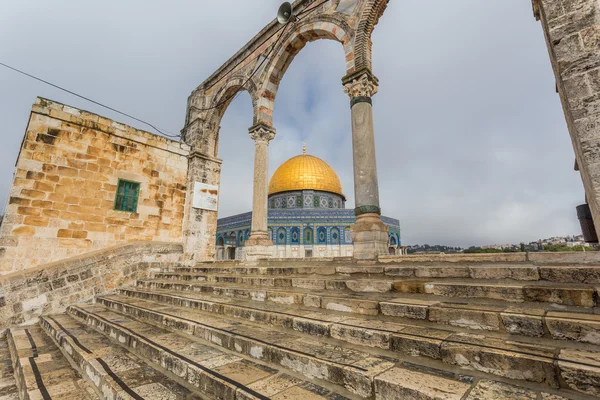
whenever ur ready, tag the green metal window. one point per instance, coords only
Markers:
(127, 196)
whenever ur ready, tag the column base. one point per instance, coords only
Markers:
(370, 236)
(259, 246)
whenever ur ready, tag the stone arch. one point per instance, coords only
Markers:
(372, 11)
(310, 30)
(222, 98)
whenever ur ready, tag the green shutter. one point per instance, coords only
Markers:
(127, 196)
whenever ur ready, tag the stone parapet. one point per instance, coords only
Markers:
(51, 288)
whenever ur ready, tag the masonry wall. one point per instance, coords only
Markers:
(572, 31)
(61, 203)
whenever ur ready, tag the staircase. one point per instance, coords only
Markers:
(322, 331)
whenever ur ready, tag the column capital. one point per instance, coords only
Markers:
(262, 133)
(361, 83)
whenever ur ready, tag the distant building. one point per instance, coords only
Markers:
(307, 216)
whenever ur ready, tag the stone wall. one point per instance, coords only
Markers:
(51, 288)
(62, 200)
(572, 31)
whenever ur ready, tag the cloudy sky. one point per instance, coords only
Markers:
(472, 147)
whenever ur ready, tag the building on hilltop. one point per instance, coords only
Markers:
(307, 215)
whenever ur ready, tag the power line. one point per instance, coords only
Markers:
(163, 132)
(90, 100)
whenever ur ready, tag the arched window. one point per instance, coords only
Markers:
(281, 236)
(247, 234)
(220, 241)
(308, 236)
(335, 236)
(241, 239)
(295, 236)
(392, 240)
(322, 235)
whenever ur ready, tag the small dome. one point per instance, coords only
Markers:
(305, 172)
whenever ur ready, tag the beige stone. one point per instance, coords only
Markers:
(491, 390)
(400, 383)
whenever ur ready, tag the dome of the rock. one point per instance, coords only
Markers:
(305, 172)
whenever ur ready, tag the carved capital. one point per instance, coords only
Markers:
(360, 84)
(262, 133)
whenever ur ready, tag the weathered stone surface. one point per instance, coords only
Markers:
(570, 274)
(400, 383)
(520, 321)
(491, 390)
(366, 307)
(513, 293)
(581, 370)
(519, 273)
(408, 308)
(571, 326)
(40, 290)
(369, 286)
(568, 295)
(473, 317)
(512, 360)
(416, 341)
(442, 272)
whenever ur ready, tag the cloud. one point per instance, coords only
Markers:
(472, 146)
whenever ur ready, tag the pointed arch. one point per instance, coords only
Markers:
(372, 11)
(310, 30)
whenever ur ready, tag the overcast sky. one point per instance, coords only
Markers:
(472, 146)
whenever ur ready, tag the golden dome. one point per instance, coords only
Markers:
(305, 172)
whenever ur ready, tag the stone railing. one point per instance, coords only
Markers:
(51, 288)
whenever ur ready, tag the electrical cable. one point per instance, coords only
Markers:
(162, 132)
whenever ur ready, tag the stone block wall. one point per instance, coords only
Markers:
(572, 31)
(62, 200)
(51, 288)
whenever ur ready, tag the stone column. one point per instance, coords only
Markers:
(572, 32)
(370, 234)
(199, 225)
(259, 245)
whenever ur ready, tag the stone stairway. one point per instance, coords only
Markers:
(322, 331)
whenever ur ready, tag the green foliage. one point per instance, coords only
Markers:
(476, 250)
(563, 247)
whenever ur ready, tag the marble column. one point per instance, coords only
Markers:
(370, 234)
(259, 245)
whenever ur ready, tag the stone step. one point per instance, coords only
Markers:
(548, 323)
(486, 318)
(588, 274)
(509, 359)
(114, 371)
(196, 360)
(8, 384)
(573, 294)
(42, 372)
